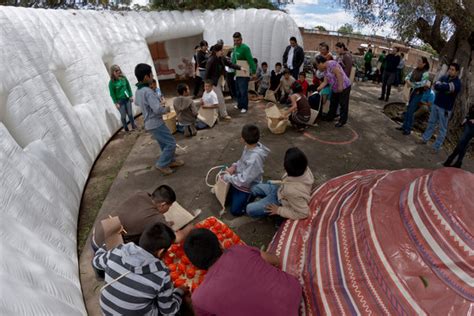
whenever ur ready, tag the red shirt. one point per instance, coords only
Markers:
(305, 85)
(242, 283)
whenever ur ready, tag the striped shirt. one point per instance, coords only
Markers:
(137, 283)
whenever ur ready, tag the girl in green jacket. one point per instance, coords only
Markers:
(122, 96)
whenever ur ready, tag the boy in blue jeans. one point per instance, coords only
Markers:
(153, 112)
(247, 171)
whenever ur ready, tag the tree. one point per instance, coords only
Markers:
(215, 4)
(446, 25)
(346, 29)
(320, 28)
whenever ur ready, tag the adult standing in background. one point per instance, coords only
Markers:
(201, 59)
(121, 94)
(293, 57)
(242, 52)
(389, 75)
(344, 58)
(400, 68)
(368, 62)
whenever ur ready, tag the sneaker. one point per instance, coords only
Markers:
(176, 163)
(236, 107)
(227, 117)
(406, 133)
(381, 98)
(421, 142)
(166, 171)
(339, 124)
(243, 111)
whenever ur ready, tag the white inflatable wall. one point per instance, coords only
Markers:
(55, 117)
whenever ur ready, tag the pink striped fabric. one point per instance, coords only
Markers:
(385, 242)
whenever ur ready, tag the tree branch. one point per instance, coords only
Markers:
(431, 33)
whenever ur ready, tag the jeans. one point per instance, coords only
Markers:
(295, 72)
(238, 201)
(340, 99)
(462, 146)
(231, 84)
(221, 101)
(269, 195)
(439, 116)
(388, 79)
(167, 144)
(197, 85)
(126, 110)
(410, 112)
(242, 91)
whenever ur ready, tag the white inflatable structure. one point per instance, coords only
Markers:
(56, 115)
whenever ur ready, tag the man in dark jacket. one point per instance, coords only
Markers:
(390, 73)
(447, 88)
(293, 57)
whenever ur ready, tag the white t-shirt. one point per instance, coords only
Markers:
(209, 98)
(291, 53)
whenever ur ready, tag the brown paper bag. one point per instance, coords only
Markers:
(208, 116)
(221, 189)
(245, 65)
(406, 92)
(112, 228)
(270, 96)
(251, 86)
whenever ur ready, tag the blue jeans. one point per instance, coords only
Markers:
(167, 144)
(126, 110)
(410, 112)
(242, 91)
(238, 201)
(269, 195)
(462, 146)
(440, 116)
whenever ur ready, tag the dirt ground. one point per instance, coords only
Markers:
(368, 141)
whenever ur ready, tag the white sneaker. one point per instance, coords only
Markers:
(243, 111)
(236, 107)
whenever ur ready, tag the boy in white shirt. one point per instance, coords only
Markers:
(209, 104)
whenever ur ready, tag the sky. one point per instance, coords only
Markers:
(309, 13)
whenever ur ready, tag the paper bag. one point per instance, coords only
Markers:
(270, 96)
(352, 74)
(245, 65)
(179, 216)
(221, 189)
(251, 86)
(208, 116)
(112, 228)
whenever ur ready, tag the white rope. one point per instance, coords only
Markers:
(217, 175)
(115, 280)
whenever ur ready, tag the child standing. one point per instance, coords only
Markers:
(247, 171)
(153, 112)
(290, 198)
(186, 111)
(302, 81)
(275, 78)
(264, 79)
(121, 94)
(137, 281)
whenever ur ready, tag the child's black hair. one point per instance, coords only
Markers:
(286, 71)
(312, 88)
(182, 88)
(255, 60)
(295, 162)
(278, 64)
(209, 81)
(264, 64)
(164, 193)
(142, 70)
(155, 237)
(456, 66)
(250, 134)
(202, 248)
(302, 74)
(296, 87)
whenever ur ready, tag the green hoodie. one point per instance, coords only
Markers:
(120, 89)
(242, 52)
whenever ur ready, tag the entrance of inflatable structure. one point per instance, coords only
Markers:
(173, 59)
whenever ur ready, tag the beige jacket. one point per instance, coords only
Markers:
(294, 194)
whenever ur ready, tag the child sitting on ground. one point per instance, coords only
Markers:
(290, 198)
(186, 111)
(247, 171)
(285, 86)
(275, 78)
(136, 281)
(303, 82)
(209, 104)
(263, 80)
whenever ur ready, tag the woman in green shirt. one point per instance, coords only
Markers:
(122, 96)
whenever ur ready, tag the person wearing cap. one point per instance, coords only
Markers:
(447, 88)
(426, 101)
(242, 52)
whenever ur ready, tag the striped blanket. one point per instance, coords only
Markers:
(385, 242)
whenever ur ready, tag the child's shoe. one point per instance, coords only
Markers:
(176, 163)
(166, 171)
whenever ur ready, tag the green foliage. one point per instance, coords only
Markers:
(212, 4)
(429, 49)
(320, 28)
(346, 29)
